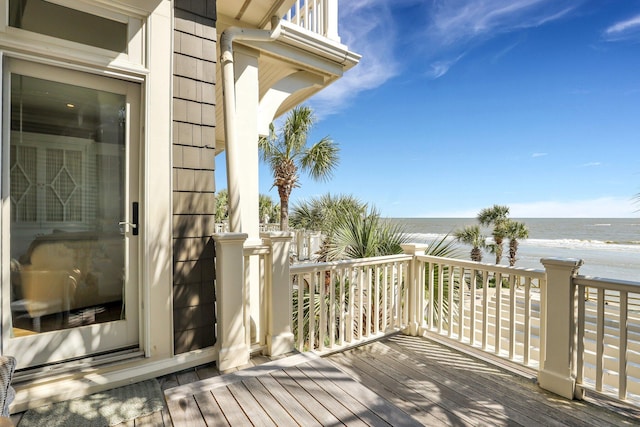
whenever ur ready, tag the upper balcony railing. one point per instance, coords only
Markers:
(317, 16)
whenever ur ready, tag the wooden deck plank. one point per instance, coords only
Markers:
(296, 410)
(185, 412)
(230, 407)
(513, 391)
(210, 409)
(181, 391)
(322, 396)
(525, 405)
(457, 388)
(509, 390)
(369, 399)
(251, 407)
(429, 413)
(381, 383)
(446, 404)
(358, 409)
(187, 377)
(319, 412)
(270, 404)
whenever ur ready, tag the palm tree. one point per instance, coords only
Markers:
(322, 213)
(495, 216)
(515, 231)
(222, 205)
(363, 236)
(267, 210)
(288, 153)
(471, 235)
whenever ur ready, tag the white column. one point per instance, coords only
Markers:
(280, 338)
(246, 74)
(413, 293)
(231, 337)
(558, 374)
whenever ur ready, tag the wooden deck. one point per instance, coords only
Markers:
(397, 381)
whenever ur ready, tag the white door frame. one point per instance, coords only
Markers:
(65, 344)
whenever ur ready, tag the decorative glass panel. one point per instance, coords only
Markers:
(67, 198)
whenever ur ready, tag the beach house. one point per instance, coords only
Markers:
(113, 114)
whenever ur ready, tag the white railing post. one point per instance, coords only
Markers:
(331, 20)
(315, 242)
(413, 291)
(300, 235)
(558, 314)
(230, 301)
(280, 338)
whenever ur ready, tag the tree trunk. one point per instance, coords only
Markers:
(498, 242)
(513, 250)
(476, 254)
(284, 208)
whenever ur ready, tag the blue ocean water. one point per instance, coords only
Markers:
(609, 247)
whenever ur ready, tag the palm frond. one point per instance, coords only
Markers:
(321, 159)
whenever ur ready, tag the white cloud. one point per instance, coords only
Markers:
(591, 164)
(456, 25)
(539, 155)
(366, 27)
(460, 21)
(440, 68)
(624, 30)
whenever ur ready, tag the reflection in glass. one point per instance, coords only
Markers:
(67, 197)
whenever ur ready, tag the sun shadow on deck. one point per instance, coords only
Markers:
(399, 380)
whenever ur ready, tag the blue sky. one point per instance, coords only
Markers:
(459, 105)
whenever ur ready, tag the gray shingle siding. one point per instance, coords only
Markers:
(194, 59)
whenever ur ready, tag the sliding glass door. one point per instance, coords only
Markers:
(71, 160)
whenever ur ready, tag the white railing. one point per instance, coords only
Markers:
(579, 332)
(608, 326)
(346, 302)
(317, 16)
(491, 307)
(305, 244)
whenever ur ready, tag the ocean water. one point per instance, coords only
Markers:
(609, 247)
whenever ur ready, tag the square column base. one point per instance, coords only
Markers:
(558, 384)
(279, 344)
(232, 357)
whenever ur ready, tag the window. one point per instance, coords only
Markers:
(53, 20)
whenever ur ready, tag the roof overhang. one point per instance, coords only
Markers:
(296, 50)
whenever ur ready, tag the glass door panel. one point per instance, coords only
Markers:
(73, 178)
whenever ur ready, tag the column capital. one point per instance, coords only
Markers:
(414, 248)
(572, 264)
(226, 238)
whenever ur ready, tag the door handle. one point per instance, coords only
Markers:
(134, 214)
(134, 220)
